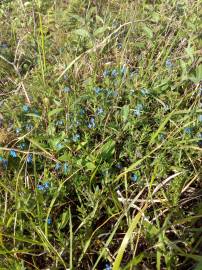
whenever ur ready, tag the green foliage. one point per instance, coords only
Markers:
(100, 135)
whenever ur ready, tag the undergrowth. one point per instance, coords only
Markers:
(100, 135)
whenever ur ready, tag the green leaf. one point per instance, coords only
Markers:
(161, 127)
(148, 31)
(39, 146)
(107, 150)
(125, 112)
(64, 220)
(126, 239)
(155, 17)
(90, 166)
(65, 157)
(55, 111)
(98, 18)
(135, 261)
(190, 52)
(199, 266)
(82, 32)
(199, 73)
(184, 70)
(100, 31)
(33, 115)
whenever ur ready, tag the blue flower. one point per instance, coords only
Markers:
(106, 73)
(43, 187)
(29, 127)
(114, 73)
(5, 163)
(66, 89)
(138, 109)
(169, 64)
(200, 118)
(77, 123)
(99, 111)
(61, 50)
(65, 168)
(59, 146)
(132, 91)
(97, 90)
(46, 185)
(109, 93)
(123, 70)
(13, 153)
(92, 123)
(22, 145)
(25, 108)
(107, 267)
(59, 122)
(82, 111)
(29, 158)
(200, 139)
(4, 45)
(161, 137)
(49, 221)
(144, 91)
(119, 166)
(115, 93)
(119, 46)
(134, 177)
(75, 137)
(166, 107)
(58, 166)
(17, 130)
(35, 111)
(40, 187)
(199, 135)
(133, 74)
(188, 130)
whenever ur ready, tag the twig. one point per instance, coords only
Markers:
(19, 75)
(165, 182)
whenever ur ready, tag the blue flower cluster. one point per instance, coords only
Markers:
(29, 158)
(66, 89)
(13, 153)
(25, 108)
(59, 166)
(99, 111)
(76, 138)
(107, 266)
(138, 109)
(43, 187)
(22, 146)
(91, 124)
(97, 90)
(115, 72)
(49, 221)
(169, 64)
(188, 130)
(134, 177)
(4, 162)
(200, 118)
(144, 91)
(59, 146)
(65, 168)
